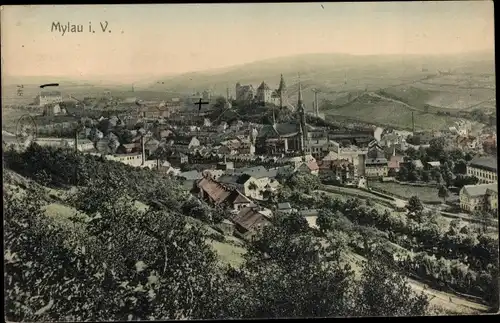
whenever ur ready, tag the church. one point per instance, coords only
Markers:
(286, 138)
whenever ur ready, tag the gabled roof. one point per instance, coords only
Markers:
(284, 206)
(417, 163)
(434, 163)
(191, 175)
(214, 190)
(478, 190)
(249, 219)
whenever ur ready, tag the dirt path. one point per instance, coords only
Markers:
(439, 298)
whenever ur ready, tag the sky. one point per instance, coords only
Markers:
(167, 39)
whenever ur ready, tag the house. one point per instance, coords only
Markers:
(484, 168)
(222, 127)
(134, 160)
(129, 148)
(184, 144)
(48, 97)
(218, 194)
(154, 111)
(249, 221)
(165, 167)
(214, 174)
(376, 164)
(244, 183)
(310, 167)
(492, 197)
(418, 164)
(479, 197)
(395, 163)
(164, 133)
(108, 145)
(85, 145)
(53, 109)
(227, 227)
(177, 158)
(246, 148)
(189, 178)
(285, 208)
(341, 170)
(433, 165)
(467, 143)
(257, 172)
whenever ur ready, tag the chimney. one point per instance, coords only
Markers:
(76, 140)
(143, 151)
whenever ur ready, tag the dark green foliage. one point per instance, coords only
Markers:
(303, 182)
(386, 293)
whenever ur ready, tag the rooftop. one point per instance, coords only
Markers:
(478, 190)
(488, 163)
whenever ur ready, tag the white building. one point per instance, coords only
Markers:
(48, 97)
(484, 168)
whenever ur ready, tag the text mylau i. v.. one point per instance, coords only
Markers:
(76, 28)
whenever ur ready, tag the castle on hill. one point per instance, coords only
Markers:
(263, 94)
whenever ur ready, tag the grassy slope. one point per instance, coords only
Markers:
(369, 109)
(230, 251)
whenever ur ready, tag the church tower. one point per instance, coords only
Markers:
(301, 116)
(282, 91)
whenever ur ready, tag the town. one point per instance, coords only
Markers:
(246, 194)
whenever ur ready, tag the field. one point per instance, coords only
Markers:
(426, 194)
(389, 113)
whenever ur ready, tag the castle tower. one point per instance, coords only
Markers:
(282, 91)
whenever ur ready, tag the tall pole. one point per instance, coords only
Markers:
(316, 103)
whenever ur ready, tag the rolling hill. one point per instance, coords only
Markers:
(382, 111)
(340, 78)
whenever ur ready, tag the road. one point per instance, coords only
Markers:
(393, 100)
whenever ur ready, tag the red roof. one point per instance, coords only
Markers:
(395, 161)
(312, 165)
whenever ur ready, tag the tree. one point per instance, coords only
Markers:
(325, 220)
(443, 192)
(426, 176)
(460, 167)
(415, 206)
(384, 292)
(402, 174)
(485, 218)
(303, 182)
(439, 178)
(121, 264)
(293, 223)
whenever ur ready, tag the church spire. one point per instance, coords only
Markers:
(299, 103)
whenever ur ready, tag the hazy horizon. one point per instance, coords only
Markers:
(167, 40)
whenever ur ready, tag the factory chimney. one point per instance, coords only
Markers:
(143, 149)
